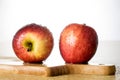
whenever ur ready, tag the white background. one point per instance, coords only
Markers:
(102, 15)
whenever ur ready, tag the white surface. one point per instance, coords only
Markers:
(102, 15)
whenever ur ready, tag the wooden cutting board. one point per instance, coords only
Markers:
(44, 70)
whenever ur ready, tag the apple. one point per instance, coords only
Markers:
(33, 43)
(78, 43)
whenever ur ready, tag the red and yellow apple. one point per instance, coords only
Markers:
(33, 43)
(78, 43)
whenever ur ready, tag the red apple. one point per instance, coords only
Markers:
(78, 43)
(33, 43)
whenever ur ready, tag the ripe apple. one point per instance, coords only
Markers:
(33, 43)
(78, 43)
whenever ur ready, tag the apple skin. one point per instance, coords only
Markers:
(78, 43)
(33, 43)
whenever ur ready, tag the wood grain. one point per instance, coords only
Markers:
(58, 70)
(34, 70)
(92, 69)
(7, 66)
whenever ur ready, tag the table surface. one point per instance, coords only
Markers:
(7, 76)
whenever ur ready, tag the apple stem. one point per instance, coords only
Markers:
(84, 24)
